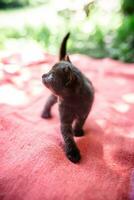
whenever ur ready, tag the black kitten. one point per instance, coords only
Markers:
(75, 95)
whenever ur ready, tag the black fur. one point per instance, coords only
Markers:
(75, 94)
(62, 52)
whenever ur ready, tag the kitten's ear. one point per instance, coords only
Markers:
(67, 58)
(70, 75)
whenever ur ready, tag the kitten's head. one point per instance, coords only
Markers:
(61, 78)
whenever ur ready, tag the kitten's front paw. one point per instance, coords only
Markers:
(46, 115)
(78, 132)
(73, 155)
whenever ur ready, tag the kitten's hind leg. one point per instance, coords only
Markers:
(78, 126)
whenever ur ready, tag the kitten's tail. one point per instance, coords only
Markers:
(62, 52)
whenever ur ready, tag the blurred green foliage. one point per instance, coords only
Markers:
(18, 3)
(90, 35)
(122, 45)
(13, 3)
(127, 7)
(93, 45)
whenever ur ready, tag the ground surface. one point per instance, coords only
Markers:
(32, 162)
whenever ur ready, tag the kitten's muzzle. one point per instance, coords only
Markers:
(47, 78)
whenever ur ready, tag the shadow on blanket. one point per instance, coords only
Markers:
(33, 165)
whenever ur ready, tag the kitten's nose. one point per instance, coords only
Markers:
(47, 78)
(43, 76)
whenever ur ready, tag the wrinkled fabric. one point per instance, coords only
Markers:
(33, 165)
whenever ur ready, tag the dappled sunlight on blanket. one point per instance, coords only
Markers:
(33, 163)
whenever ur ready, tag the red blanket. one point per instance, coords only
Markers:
(33, 165)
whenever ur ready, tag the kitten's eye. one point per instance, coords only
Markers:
(53, 73)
